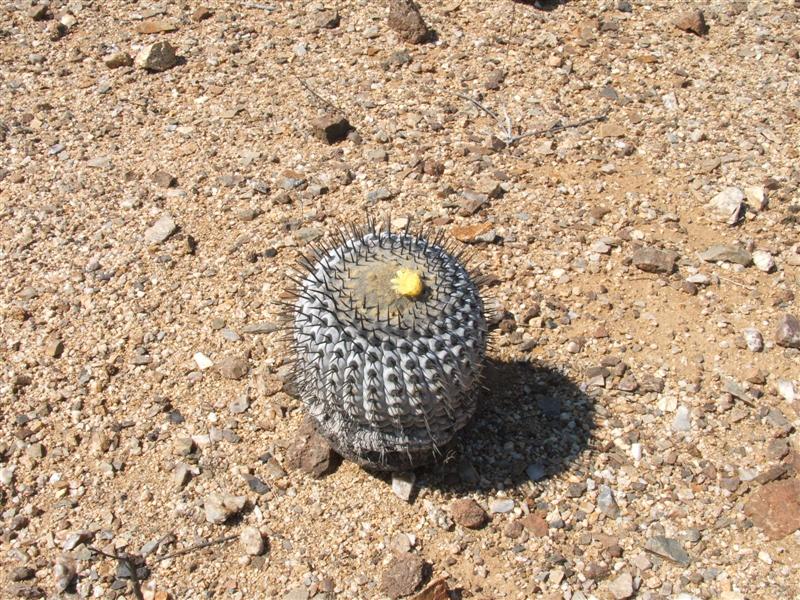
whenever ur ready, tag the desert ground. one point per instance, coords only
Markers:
(624, 175)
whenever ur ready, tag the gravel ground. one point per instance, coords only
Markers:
(638, 435)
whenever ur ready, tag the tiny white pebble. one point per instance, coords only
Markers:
(202, 361)
(636, 451)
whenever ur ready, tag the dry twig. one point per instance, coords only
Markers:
(747, 287)
(506, 133)
(222, 540)
(316, 95)
(129, 562)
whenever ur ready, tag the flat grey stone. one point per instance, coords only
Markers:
(727, 253)
(606, 502)
(502, 506)
(682, 420)
(379, 195)
(403, 484)
(653, 260)
(160, 231)
(535, 472)
(258, 328)
(668, 548)
(298, 593)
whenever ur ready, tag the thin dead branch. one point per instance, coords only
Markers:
(506, 128)
(311, 91)
(562, 126)
(731, 281)
(130, 562)
(222, 540)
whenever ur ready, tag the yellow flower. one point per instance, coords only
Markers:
(407, 283)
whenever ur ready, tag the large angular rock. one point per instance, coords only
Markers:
(406, 19)
(331, 128)
(403, 576)
(621, 587)
(160, 230)
(468, 513)
(438, 590)
(156, 57)
(653, 260)
(693, 21)
(775, 508)
(668, 548)
(232, 367)
(117, 60)
(310, 452)
(606, 502)
(403, 484)
(727, 206)
(727, 253)
(219, 508)
(787, 333)
(252, 541)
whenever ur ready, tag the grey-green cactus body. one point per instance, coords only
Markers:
(388, 378)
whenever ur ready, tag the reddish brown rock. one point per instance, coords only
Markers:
(775, 508)
(470, 233)
(403, 576)
(468, 513)
(201, 14)
(406, 19)
(311, 453)
(438, 590)
(156, 26)
(331, 128)
(536, 525)
(232, 367)
(693, 21)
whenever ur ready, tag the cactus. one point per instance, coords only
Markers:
(389, 335)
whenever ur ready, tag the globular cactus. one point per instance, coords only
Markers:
(389, 335)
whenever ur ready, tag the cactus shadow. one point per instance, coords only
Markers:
(546, 5)
(532, 423)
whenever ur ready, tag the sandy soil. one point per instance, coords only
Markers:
(638, 435)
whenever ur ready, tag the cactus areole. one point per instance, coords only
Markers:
(390, 339)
